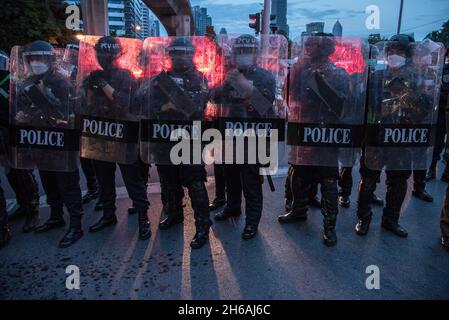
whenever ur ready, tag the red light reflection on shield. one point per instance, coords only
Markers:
(348, 55)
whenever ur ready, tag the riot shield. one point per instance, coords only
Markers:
(107, 77)
(43, 131)
(327, 100)
(403, 106)
(173, 98)
(250, 106)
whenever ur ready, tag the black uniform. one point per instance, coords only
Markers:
(21, 181)
(396, 179)
(100, 105)
(304, 176)
(175, 176)
(441, 126)
(245, 177)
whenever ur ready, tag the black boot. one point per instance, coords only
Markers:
(132, 210)
(98, 206)
(90, 195)
(422, 195)
(329, 233)
(445, 175)
(50, 224)
(367, 186)
(199, 198)
(390, 222)
(376, 200)
(431, 174)
(104, 222)
(288, 203)
(72, 236)
(5, 236)
(144, 225)
(249, 231)
(329, 210)
(293, 216)
(445, 242)
(362, 226)
(227, 213)
(343, 201)
(217, 203)
(31, 221)
(200, 239)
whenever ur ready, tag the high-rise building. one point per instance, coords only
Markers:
(127, 18)
(223, 31)
(337, 30)
(313, 27)
(201, 20)
(279, 9)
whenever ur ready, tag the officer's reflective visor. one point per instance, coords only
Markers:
(178, 50)
(244, 50)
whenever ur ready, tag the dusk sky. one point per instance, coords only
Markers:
(419, 16)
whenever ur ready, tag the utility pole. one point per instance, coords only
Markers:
(400, 17)
(266, 17)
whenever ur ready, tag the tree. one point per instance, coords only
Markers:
(24, 21)
(441, 35)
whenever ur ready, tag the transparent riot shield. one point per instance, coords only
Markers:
(43, 132)
(173, 98)
(327, 100)
(108, 71)
(250, 106)
(403, 105)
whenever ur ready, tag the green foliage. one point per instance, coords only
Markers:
(441, 35)
(28, 20)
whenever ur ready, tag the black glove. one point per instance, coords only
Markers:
(97, 79)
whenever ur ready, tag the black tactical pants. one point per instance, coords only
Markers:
(134, 183)
(63, 188)
(193, 178)
(444, 219)
(87, 165)
(244, 178)
(25, 187)
(345, 181)
(396, 191)
(419, 180)
(439, 139)
(3, 213)
(288, 189)
(304, 178)
(220, 182)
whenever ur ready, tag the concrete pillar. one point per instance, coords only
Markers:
(95, 17)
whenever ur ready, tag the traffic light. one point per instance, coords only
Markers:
(273, 25)
(255, 24)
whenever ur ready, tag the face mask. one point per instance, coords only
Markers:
(396, 61)
(244, 60)
(182, 64)
(38, 68)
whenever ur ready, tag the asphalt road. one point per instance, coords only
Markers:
(282, 262)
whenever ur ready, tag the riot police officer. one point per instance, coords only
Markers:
(21, 181)
(180, 95)
(42, 101)
(235, 98)
(441, 126)
(307, 105)
(394, 101)
(106, 97)
(5, 235)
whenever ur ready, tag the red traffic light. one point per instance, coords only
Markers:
(255, 24)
